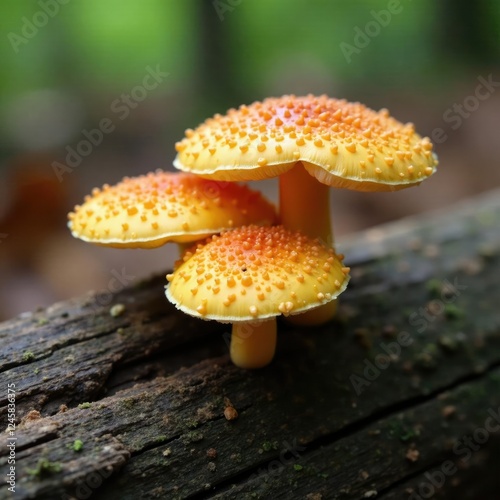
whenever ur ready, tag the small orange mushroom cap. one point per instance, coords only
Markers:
(150, 210)
(342, 144)
(255, 273)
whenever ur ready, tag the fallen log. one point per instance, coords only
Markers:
(399, 397)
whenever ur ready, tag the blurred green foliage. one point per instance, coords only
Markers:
(96, 42)
(272, 32)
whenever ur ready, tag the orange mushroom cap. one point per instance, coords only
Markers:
(342, 144)
(150, 210)
(256, 273)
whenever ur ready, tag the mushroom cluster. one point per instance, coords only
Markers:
(247, 270)
(312, 143)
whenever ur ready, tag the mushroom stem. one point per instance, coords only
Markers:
(314, 317)
(253, 344)
(305, 204)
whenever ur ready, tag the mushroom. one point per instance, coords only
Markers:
(305, 140)
(250, 275)
(153, 209)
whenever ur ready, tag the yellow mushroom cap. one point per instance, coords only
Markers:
(342, 144)
(254, 273)
(150, 210)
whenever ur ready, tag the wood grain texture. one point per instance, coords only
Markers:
(145, 392)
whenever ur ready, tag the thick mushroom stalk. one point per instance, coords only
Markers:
(305, 207)
(305, 204)
(251, 275)
(253, 344)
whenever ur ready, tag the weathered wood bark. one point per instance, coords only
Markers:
(145, 392)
